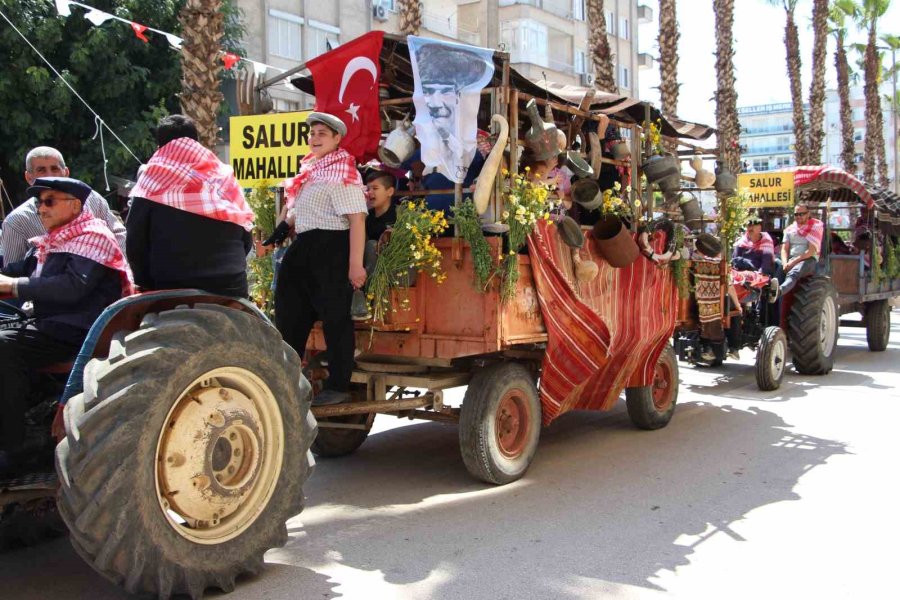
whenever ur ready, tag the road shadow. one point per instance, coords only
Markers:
(602, 501)
(54, 570)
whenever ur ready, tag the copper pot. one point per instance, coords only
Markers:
(615, 242)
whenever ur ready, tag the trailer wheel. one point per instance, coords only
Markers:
(500, 423)
(652, 406)
(186, 452)
(334, 442)
(878, 325)
(770, 359)
(813, 326)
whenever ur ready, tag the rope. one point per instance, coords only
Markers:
(77, 95)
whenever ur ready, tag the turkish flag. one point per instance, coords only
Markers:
(346, 86)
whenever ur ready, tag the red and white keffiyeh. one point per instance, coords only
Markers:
(764, 244)
(812, 230)
(89, 238)
(185, 175)
(338, 166)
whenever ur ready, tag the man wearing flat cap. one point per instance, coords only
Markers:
(75, 271)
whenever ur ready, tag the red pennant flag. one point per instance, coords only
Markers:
(230, 60)
(139, 31)
(346, 85)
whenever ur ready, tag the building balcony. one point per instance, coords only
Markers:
(780, 130)
(768, 150)
(644, 13)
(645, 61)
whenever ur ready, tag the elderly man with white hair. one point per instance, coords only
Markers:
(24, 223)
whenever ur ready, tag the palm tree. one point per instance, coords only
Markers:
(792, 47)
(874, 154)
(601, 55)
(729, 129)
(202, 26)
(668, 57)
(840, 11)
(817, 85)
(410, 16)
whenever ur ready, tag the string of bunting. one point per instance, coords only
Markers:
(99, 17)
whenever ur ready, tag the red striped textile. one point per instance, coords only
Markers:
(89, 238)
(185, 175)
(603, 335)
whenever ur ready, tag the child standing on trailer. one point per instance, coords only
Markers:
(325, 262)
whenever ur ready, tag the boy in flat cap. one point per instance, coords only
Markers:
(326, 206)
(76, 271)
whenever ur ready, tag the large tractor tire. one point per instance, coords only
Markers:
(813, 326)
(186, 452)
(770, 358)
(878, 325)
(652, 406)
(500, 423)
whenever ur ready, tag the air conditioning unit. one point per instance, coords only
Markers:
(379, 12)
(587, 79)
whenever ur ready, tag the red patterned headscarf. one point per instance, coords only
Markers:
(764, 244)
(812, 230)
(337, 166)
(185, 175)
(87, 237)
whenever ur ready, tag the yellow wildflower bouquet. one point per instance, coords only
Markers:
(411, 246)
(653, 132)
(733, 214)
(526, 202)
(615, 202)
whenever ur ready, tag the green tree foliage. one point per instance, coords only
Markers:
(131, 84)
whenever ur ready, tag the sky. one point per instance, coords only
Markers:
(759, 61)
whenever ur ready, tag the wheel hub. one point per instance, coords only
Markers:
(662, 388)
(216, 455)
(778, 353)
(827, 326)
(512, 424)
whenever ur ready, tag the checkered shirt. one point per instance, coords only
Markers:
(326, 206)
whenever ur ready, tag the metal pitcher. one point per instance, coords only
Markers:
(541, 137)
(399, 145)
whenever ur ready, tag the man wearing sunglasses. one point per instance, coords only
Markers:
(24, 222)
(76, 270)
(801, 247)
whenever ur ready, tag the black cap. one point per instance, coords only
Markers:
(67, 185)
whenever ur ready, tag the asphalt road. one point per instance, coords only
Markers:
(786, 494)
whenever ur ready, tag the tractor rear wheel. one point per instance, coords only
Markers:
(878, 325)
(186, 452)
(652, 406)
(813, 326)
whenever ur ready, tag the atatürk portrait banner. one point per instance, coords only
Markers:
(448, 82)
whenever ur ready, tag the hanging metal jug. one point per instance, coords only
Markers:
(542, 136)
(399, 145)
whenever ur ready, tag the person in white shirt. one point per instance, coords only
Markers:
(23, 223)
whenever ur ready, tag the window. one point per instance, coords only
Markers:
(322, 38)
(285, 105)
(284, 35)
(610, 23)
(857, 135)
(527, 41)
(859, 113)
(624, 80)
(578, 10)
(580, 62)
(783, 161)
(624, 29)
(760, 164)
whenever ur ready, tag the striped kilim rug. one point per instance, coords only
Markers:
(603, 335)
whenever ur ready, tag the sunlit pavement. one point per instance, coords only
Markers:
(747, 494)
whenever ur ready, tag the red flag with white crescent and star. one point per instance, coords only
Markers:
(346, 86)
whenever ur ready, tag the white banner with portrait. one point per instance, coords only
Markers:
(448, 82)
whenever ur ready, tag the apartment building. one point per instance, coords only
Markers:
(545, 38)
(767, 132)
(767, 136)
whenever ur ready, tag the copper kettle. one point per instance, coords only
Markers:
(542, 136)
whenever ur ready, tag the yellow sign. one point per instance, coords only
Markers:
(268, 147)
(765, 190)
